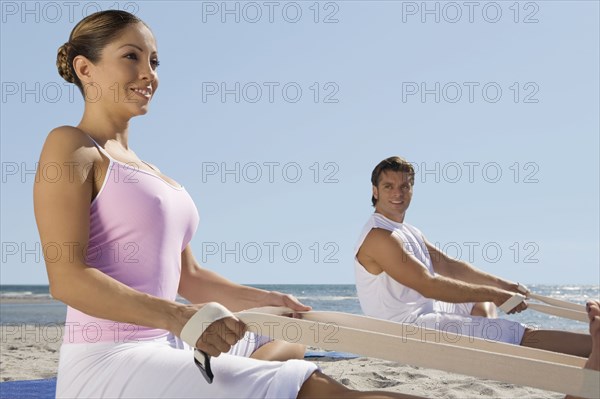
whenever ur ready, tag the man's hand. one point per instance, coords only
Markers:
(504, 296)
(523, 290)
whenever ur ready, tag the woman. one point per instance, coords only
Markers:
(123, 231)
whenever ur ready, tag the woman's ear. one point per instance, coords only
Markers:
(83, 68)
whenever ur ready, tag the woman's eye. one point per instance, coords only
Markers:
(132, 56)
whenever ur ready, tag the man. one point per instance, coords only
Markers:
(401, 276)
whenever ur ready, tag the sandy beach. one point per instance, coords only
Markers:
(29, 352)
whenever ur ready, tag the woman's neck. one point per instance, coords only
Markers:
(102, 127)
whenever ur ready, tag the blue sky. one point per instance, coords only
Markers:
(274, 121)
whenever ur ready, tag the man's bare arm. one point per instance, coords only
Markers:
(463, 271)
(384, 251)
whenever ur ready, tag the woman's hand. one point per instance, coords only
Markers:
(275, 298)
(221, 335)
(218, 337)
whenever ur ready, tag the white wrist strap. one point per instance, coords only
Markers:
(199, 322)
(512, 303)
(522, 289)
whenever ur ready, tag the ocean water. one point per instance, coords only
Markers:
(33, 303)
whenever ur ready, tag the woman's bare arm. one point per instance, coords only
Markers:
(62, 211)
(198, 284)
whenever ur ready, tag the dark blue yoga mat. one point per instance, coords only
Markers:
(335, 355)
(32, 389)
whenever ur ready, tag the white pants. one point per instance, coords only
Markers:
(455, 318)
(163, 368)
(249, 343)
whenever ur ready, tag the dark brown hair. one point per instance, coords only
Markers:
(89, 37)
(395, 164)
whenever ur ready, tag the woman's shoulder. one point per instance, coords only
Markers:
(67, 135)
(69, 144)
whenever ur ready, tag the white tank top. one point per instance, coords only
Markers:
(380, 295)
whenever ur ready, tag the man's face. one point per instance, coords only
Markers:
(393, 194)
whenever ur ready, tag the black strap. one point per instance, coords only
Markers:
(202, 360)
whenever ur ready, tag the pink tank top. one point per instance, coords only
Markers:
(139, 225)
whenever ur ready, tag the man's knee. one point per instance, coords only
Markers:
(527, 336)
(484, 309)
(280, 351)
(319, 385)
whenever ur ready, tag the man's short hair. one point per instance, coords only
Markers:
(395, 164)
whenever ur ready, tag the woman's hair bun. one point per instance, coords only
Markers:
(63, 62)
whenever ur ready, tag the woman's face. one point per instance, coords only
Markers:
(125, 78)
